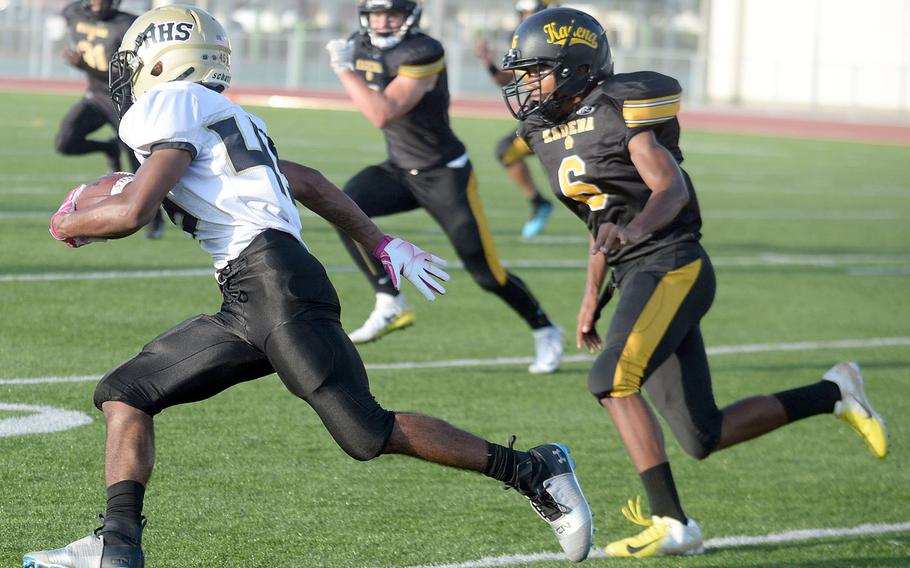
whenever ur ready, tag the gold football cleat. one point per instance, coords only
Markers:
(854, 408)
(664, 536)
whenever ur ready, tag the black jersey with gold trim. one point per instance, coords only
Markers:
(97, 39)
(422, 138)
(587, 156)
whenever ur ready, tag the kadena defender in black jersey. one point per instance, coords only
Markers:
(94, 29)
(610, 145)
(396, 76)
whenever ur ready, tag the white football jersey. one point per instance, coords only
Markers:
(233, 189)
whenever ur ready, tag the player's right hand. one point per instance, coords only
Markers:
(483, 51)
(341, 54)
(72, 57)
(68, 205)
(423, 269)
(586, 335)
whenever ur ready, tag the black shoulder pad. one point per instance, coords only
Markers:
(647, 97)
(420, 50)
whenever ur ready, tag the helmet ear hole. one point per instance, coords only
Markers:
(157, 69)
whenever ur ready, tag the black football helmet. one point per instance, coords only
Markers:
(563, 42)
(410, 8)
(107, 8)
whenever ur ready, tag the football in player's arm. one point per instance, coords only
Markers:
(396, 76)
(215, 170)
(610, 146)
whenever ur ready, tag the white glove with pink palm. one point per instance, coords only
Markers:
(423, 269)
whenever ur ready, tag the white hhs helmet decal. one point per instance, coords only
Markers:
(170, 43)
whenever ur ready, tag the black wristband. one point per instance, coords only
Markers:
(493, 69)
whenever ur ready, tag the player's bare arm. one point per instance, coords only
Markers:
(586, 335)
(381, 108)
(660, 172)
(125, 213)
(319, 195)
(485, 53)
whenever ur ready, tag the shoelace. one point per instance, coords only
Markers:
(548, 508)
(632, 511)
(542, 502)
(229, 287)
(143, 520)
(232, 292)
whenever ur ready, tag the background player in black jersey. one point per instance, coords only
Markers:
(96, 28)
(511, 151)
(280, 313)
(610, 145)
(396, 77)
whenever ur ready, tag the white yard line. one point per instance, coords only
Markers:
(765, 259)
(714, 543)
(504, 361)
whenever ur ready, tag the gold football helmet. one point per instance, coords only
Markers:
(170, 43)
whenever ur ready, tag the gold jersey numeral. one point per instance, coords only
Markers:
(93, 54)
(572, 167)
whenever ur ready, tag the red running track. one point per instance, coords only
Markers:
(707, 120)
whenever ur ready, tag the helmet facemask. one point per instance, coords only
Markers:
(524, 95)
(120, 79)
(411, 10)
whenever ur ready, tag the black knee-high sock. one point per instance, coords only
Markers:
(516, 294)
(803, 402)
(369, 265)
(123, 517)
(501, 462)
(661, 490)
(537, 201)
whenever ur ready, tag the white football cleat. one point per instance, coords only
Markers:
(84, 553)
(391, 313)
(547, 350)
(91, 551)
(664, 536)
(88, 552)
(558, 499)
(854, 408)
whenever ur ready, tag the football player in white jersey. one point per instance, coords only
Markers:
(216, 171)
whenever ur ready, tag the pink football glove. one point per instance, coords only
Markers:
(68, 206)
(421, 268)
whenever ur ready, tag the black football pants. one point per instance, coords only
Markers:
(654, 339)
(280, 314)
(91, 113)
(450, 196)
